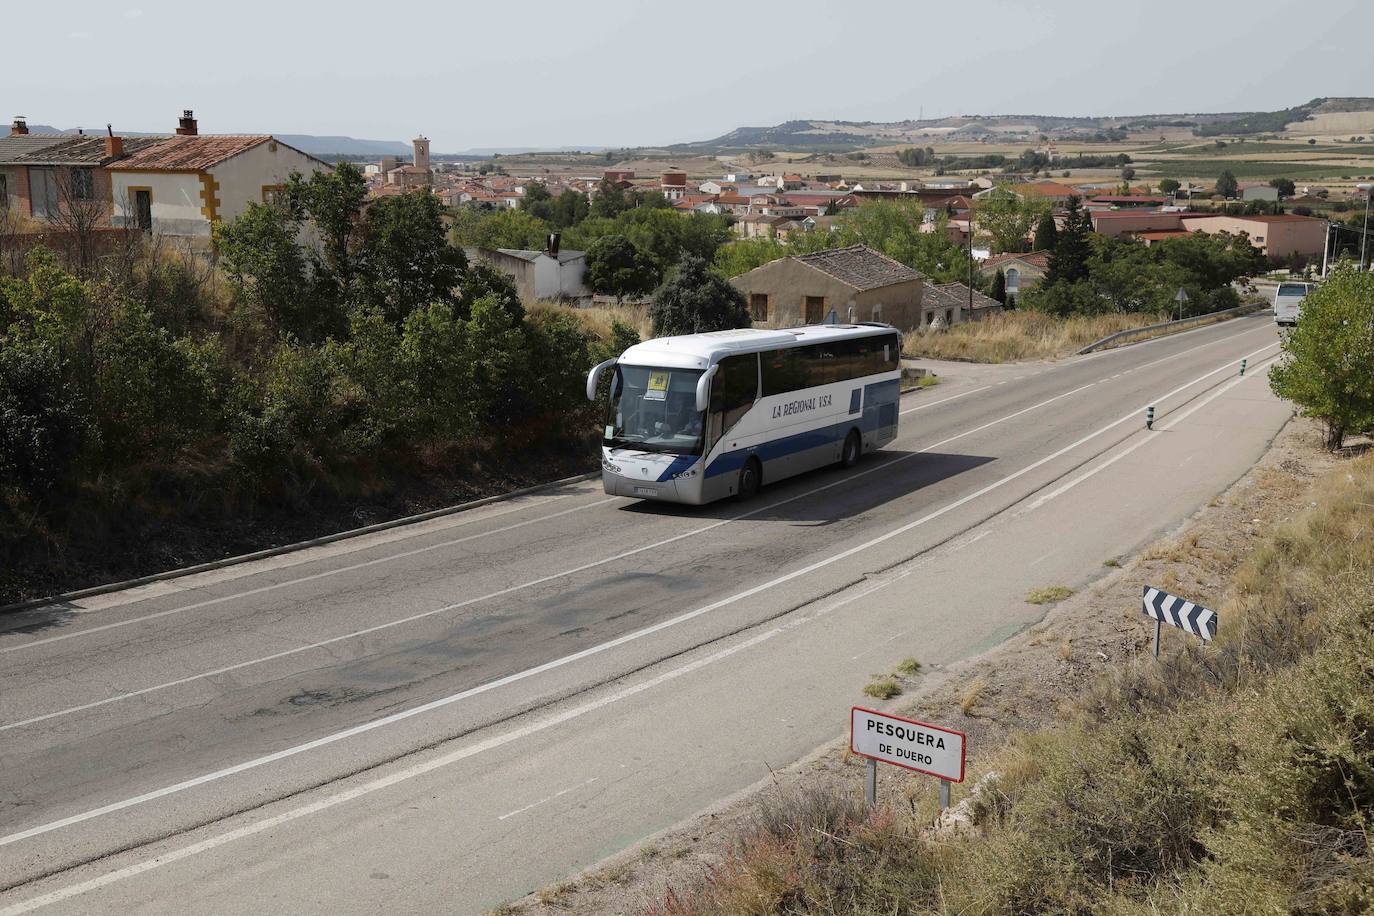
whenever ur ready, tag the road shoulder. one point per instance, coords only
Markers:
(1017, 686)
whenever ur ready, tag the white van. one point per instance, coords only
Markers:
(1288, 302)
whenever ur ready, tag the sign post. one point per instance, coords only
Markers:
(1181, 297)
(906, 743)
(1178, 612)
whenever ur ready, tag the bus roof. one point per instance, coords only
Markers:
(700, 350)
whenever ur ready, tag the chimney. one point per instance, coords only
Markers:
(186, 127)
(114, 146)
(20, 127)
(551, 246)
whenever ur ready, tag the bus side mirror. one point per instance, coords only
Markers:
(595, 376)
(704, 388)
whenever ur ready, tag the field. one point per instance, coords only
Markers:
(1019, 335)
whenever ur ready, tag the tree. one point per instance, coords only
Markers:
(503, 228)
(1168, 186)
(41, 417)
(1127, 173)
(333, 201)
(742, 256)
(406, 259)
(999, 286)
(568, 209)
(1069, 258)
(618, 267)
(80, 210)
(268, 269)
(1226, 184)
(1285, 186)
(1328, 364)
(1009, 218)
(1046, 233)
(537, 201)
(696, 299)
(610, 200)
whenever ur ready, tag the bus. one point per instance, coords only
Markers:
(1288, 302)
(699, 417)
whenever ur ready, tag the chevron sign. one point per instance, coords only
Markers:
(1178, 612)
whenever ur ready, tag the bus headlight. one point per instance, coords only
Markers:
(690, 472)
(610, 466)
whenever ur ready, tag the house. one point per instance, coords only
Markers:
(1282, 237)
(618, 175)
(1040, 190)
(673, 183)
(1022, 271)
(856, 283)
(184, 184)
(416, 175)
(39, 175)
(553, 273)
(946, 304)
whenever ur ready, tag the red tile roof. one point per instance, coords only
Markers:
(1039, 259)
(1045, 189)
(178, 154)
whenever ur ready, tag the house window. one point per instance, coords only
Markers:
(272, 193)
(758, 306)
(1013, 279)
(43, 196)
(83, 184)
(878, 312)
(815, 310)
(949, 316)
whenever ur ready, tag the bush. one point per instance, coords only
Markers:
(696, 299)
(42, 422)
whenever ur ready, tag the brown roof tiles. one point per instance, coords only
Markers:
(189, 154)
(860, 267)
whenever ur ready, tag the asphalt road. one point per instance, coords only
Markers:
(450, 714)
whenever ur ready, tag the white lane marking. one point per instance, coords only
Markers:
(1170, 423)
(547, 798)
(195, 606)
(57, 896)
(311, 578)
(621, 640)
(296, 650)
(954, 397)
(375, 785)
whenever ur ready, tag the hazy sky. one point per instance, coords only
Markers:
(629, 73)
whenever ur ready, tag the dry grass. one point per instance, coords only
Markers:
(882, 687)
(1048, 595)
(968, 700)
(907, 667)
(1019, 335)
(599, 318)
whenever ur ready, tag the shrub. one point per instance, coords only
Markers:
(42, 423)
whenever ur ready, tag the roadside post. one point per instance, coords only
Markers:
(1150, 417)
(1181, 297)
(1242, 367)
(907, 743)
(1178, 612)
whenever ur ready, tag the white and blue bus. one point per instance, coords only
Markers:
(703, 416)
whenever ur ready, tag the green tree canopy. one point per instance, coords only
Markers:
(695, 299)
(1072, 248)
(618, 267)
(1009, 218)
(1285, 186)
(1046, 233)
(499, 229)
(1168, 186)
(1226, 184)
(407, 261)
(1328, 358)
(261, 254)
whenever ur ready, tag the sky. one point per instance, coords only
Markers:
(586, 73)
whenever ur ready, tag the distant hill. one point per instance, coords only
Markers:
(835, 136)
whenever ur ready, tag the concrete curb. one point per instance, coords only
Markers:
(289, 548)
(1180, 325)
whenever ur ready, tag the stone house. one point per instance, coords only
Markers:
(856, 283)
(1022, 271)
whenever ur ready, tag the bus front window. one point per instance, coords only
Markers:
(654, 410)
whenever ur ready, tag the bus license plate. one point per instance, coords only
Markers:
(646, 491)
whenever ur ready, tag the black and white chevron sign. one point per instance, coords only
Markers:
(1178, 612)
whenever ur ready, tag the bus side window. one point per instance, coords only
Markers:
(737, 380)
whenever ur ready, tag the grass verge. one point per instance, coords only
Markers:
(1236, 779)
(1020, 335)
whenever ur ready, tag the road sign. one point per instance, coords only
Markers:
(907, 743)
(1178, 612)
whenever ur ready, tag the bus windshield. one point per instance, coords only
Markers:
(654, 410)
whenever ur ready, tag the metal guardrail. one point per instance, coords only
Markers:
(1176, 325)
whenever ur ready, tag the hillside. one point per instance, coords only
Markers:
(1333, 115)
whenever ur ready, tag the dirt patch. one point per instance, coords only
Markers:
(1018, 686)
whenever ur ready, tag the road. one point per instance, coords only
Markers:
(454, 713)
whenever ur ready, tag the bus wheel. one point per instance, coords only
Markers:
(750, 478)
(853, 448)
